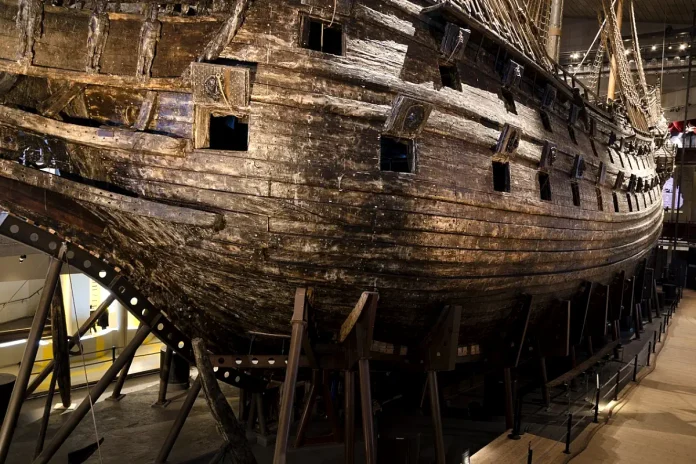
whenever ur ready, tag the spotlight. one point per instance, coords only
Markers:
(22, 258)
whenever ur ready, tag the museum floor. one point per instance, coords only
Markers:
(657, 420)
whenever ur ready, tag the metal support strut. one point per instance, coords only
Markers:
(74, 419)
(84, 328)
(164, 378)
(179, 422)
(37, 328)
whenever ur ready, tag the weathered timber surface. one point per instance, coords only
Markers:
(307, 203)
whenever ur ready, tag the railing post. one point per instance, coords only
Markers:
(659, 336)
(635, 367)
(616, 388)
(530, 453)
(113, 354)
(570, 429)
(649, 349)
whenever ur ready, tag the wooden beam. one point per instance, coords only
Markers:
(358, 340)
(226, 33)
(146, 111)
(59, 99)
(583, 366)
(442, 341)
(7, 81)
(520, 330)
(110, 137)
(149, 36)
(237, 446)
(554, 333)
(109, 200)
(598, 312)
(54, 206)
(352, 318)
(579, 308)
(616, 295)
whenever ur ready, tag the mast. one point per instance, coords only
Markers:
(553, 45)
(611, 86)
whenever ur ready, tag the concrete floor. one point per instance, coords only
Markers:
(134, 431)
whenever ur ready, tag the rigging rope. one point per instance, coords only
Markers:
(599, 32)
(84, 362)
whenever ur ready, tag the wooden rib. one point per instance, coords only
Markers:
(60, 99)
(146, 111)
(226, 33)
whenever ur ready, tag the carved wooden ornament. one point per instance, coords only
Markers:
(408, 117)
(216, 85)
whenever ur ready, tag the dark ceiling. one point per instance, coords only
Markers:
(655, 11)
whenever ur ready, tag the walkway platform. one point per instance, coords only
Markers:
(652, 421)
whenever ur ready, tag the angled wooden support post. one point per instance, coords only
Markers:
(638, 320)
(97, 390)
(544, 379)
(309, 405)
(349, 417)
(440, 350)
(61, 350)
(84, 328)
(236, 444)
(357, 335)
(179, 422)
(509, 400)
(164, 379)
(299, 327)
(37, 327)
(320, 381)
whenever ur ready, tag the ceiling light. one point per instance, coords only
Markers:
(627, 51)
(574, 56)
(682, 46)
(669, 48)
(653, 48)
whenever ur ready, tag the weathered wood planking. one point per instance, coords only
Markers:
(307, 203)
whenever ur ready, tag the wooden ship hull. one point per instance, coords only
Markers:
(124, 106)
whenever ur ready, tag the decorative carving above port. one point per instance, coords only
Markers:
(408, 117)
(220, 86)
